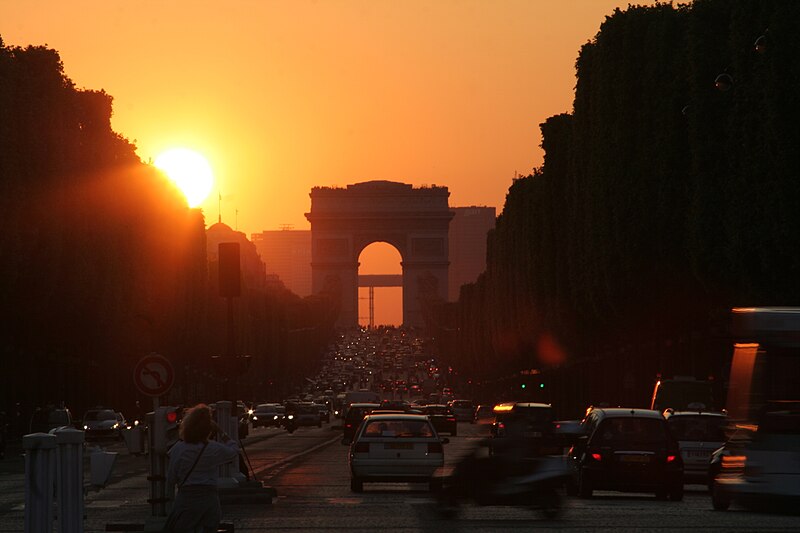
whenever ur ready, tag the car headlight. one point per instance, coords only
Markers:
(255, 417)
(85, 427)
(290, 417)
(250, 411)
(115, 426)
(275, 417)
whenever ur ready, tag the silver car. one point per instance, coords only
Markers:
(396, 448)
(698, 434)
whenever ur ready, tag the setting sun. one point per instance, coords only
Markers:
(190, 172)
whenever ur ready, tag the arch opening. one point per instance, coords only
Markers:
(379, 264)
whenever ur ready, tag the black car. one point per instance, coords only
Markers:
(443, 418)
(355, 414)
(629, 450)
(524, 427)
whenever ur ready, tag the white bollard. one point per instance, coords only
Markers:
(226, 471)
(235, 472)
(40, 466)
(69, 479)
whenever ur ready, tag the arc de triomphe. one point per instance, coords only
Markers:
(344, 221)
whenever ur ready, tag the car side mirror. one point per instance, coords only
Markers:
(445, 440)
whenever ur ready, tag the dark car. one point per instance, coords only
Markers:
(101, 423)
(47, 418)
(443, 418)
(630, 450)
(526, 426)
(355, 414)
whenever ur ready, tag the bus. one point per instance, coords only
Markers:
(759, 466)
(765, 367)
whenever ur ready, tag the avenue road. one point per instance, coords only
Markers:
(309, 471)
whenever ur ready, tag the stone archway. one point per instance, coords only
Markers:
(415, 221)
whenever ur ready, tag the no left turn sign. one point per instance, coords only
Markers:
(153, 375)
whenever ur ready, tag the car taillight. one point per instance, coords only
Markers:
(596, 456)
(671, 458)
(435, 447)
(348, 426)
(451, 419)
(361, 447)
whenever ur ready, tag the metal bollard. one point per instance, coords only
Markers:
(226, 471)
(40, 463)
(69, 479)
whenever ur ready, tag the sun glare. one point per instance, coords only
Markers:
(190, 172)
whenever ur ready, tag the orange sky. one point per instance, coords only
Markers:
(284, 95)
(281, 96)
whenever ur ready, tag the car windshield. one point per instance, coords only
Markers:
(698, 428)
(99, 415)
(398, 428)
(631, 429)
(531, 414)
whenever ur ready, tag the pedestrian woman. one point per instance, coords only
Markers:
(193, 467)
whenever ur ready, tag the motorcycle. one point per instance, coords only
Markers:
(534, 483)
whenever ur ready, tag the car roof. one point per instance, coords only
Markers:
(670, 414)
(620, 412)
(396, 416)
(364, 404)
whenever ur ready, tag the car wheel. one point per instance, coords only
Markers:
(551, 504)
(585, 488)
(676, 493)
(356, 485)
(719, 501)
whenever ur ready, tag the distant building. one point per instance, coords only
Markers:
(252, 267)
(287, 254)
(468, 230)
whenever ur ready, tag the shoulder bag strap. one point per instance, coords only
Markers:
(193, 465)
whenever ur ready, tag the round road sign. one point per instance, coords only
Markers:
(153, 375)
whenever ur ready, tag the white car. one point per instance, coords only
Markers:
(396, 448)
(699, 434)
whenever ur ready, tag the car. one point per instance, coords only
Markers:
(525, 425)
(45, 419)
(101, 423)
(682, 393)
(629, 450)
(302, 414)
(484, 414)
(765, 474)
(402, 448)
(443, 418)
(268, 415)
(463, 409)
(699, 434)
(355, 414)
(324, 412)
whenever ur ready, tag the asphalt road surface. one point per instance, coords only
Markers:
(309, 471)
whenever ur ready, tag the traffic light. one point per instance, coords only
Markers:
(524, 385)
(165, 428)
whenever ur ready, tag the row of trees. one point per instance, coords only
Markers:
(664, 200)
(103, 262)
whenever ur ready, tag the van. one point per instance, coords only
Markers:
(683, 393)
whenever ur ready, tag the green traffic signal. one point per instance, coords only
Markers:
(523, 385)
